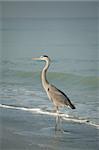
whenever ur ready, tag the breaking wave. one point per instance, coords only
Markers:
(64, 116)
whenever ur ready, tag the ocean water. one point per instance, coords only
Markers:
(25, 109)
(19, 86)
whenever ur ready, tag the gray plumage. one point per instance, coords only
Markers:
(58, 98)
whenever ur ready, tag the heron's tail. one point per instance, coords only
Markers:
(71, 105)
(68, 103)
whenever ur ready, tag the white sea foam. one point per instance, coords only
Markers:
(47, 112)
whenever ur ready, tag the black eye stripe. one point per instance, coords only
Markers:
(45, 56)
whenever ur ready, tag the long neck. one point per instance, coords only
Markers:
(43, 75)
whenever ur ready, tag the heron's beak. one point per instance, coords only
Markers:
(35, 58)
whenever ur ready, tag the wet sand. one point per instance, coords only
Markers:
(20, 130)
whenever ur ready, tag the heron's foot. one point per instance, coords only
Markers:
(61, 130)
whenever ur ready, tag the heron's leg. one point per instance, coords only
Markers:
(57, 119)
(58, 126)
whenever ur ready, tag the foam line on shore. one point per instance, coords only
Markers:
(46, 112)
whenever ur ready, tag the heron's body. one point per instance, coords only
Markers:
(58, 98)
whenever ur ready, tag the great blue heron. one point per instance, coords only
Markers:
(58, 98)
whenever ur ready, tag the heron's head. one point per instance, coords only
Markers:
(44, 57)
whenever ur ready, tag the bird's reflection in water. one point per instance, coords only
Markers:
(58, 123)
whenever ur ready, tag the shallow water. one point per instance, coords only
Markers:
(23, 88)
(22, 130)
(26, 117)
